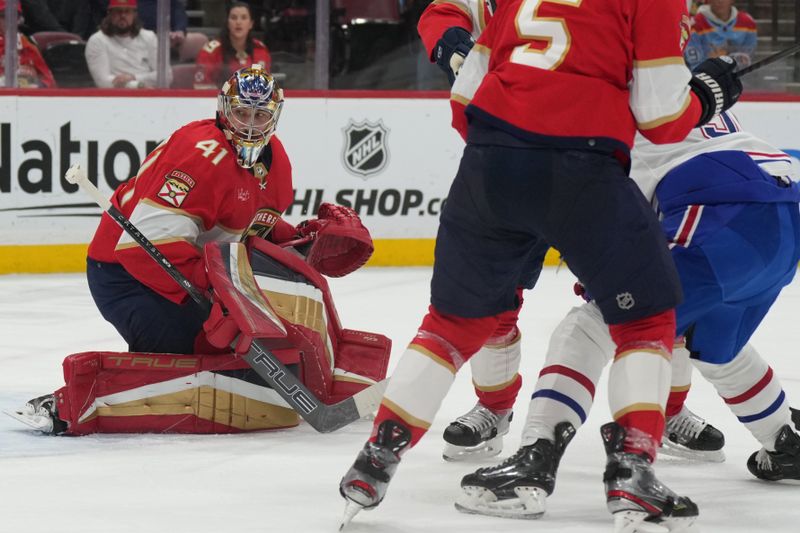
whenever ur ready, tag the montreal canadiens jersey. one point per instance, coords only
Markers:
(190, 191)
(471, 15)
(581, 68)
(651, 162)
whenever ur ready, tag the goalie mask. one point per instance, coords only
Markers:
(248, 107)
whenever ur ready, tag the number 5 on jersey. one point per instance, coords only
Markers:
(552, 30)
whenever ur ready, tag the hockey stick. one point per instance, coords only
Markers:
(769, 60)
(323, 418)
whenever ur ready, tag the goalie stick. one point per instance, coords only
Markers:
(323, 418)
(769, 60)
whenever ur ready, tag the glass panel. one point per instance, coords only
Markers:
(355, 44)
(375, 45)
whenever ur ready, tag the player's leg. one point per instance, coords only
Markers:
(579, 349)
(148, 322)
(621, 257)
(495, 375)
(747, 287)
(476, 271)
(686, 434)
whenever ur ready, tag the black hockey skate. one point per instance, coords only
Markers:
(476, 434)
(634, 495)
(365, 484)
(689, 436)
(41, 414)
(783, 463)
(519, 486)
(795, 418)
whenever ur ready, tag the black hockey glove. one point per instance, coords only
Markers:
(716, 85)
(451, 50)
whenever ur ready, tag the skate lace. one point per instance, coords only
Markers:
(686, 424)
(764, 461)
(478, 418)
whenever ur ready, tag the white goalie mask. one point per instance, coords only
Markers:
(248, 107)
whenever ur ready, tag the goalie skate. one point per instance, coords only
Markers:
(476, 434)
(689, 436)
(519, 486)
(639, 502)
(365, 484)
(40, 414)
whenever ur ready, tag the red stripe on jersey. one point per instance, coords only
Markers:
(570, 373)
(752, 391)
(691, 219)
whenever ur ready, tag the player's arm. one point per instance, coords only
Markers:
(440, 16)
(667, 100)
(469, 79)
(446, 28)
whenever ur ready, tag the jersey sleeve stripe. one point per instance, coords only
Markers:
(652, 63)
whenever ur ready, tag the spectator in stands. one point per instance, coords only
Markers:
(233, 49)
(82, 17)
(721, 29)
(178, 20)
(32, 71)
(40, 15)
(122, 53)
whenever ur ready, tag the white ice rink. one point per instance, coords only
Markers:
(287, 481)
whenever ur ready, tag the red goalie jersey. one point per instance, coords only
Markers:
(190, 191)
(581, 68)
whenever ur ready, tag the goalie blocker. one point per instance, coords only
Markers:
(112, 392)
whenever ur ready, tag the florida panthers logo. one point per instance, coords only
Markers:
(365, 149)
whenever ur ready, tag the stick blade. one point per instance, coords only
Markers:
(75, 174)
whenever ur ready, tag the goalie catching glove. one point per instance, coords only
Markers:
(716, 85)
(335, 243)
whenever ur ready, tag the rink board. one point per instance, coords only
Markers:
(391, 158)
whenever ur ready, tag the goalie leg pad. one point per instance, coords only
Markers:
(111, 392)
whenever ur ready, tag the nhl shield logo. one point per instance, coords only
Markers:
(365, 150)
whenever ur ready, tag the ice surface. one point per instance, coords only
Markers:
(286, 481)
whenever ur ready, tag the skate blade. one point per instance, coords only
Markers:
(351, 509)
(676, 450)
(637, 522)
(529, 504)
(37, 422)
(484, 450)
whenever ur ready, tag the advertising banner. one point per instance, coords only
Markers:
(391, 159)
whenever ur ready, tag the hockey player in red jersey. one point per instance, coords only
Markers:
(217, 180)
(554, 93)
(448, 29)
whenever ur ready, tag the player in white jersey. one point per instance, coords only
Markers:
(728, 204)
